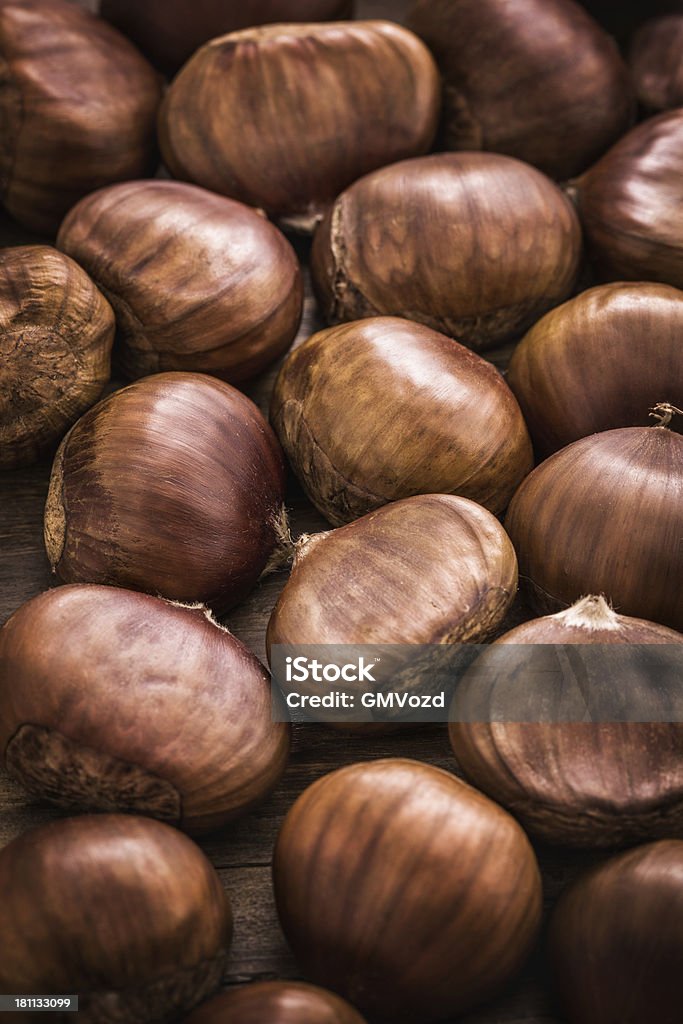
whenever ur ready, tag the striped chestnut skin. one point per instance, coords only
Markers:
(601, 360)
(383, 408)
(605, 516)
(284, 117)
(406, 891)
(276, 1002)
(476, 245)
(173, 485)
(114, 700)
(56, 334)
(616, 942)
(198, 282)
(583, 784)
(625, 202)
(77, 111)
(558, 99)
(169, 31)
(124, 911)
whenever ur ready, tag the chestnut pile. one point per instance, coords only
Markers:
(490, 186)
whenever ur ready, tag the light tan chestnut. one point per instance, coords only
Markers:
(381, 409)
(405, 890)
(601, 360)
(595, 783)
(173, 485)
(77, 110)
(476, 245)
(605, 516)
(616, 942)
(114, 700)
(124, 911)
(276, 1002)
(56, 334)
(198, 282)
(284, 117)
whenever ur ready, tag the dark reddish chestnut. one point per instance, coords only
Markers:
(276, 1002)
(657, 64)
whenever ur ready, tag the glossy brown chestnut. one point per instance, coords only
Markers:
(125, 911)
(616, 940)
(625, 202)
(77, 110)
(656, 65)
(173, 485)
(284, 117)
(476, 245)
(383, 408)
(536, 79)
(276, 1002)
(596, 783)
(601, 360)
(405, 890)
(114, 700)
(198, 282)
(604, 516)
(169, 31)
(56, 334)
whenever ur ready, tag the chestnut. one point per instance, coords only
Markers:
(656, 65)
(476, 245)
(625, 202)
(580, 783)
(173, 485)
(78, 109)
(384, 408)
(123, 911)
(616, 941)
(276, 1002)
(286, 116)
(405, 890)
(169, 31)
(536, 79)
(56, 334)
(601, 360)
(198, 282)
(114, 700)
(603, 516)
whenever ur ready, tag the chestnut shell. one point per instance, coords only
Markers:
(377, 410)
(123, 911)
(655, 60)
(405, 890)
(476, 245)
(198, 282)
(114, 700)
(173, 485)
(276, 1002)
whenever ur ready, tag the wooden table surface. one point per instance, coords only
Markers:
(242, 852)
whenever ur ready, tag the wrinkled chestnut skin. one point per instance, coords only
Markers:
(616, 941)
(576, 783)
(56, 334)
(599, 361)
(77, 109)
(604, 516)
(169, 31)
(381, 409)
(114, 700)
(173, 485)
(557, 99)
(276, 1002)
(124, 911)
(284, 117)
(655, 60)
(476, 245)
(405, 890)
(198, 282)
(625, 202)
